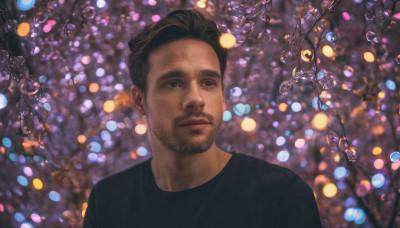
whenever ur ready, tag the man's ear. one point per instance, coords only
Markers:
(138, 100)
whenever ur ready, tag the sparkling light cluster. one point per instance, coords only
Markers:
(310, 86)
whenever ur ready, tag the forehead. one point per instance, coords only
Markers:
(187, 55)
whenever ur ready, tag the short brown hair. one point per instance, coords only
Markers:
(176, 25)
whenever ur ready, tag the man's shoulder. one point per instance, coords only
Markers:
(124, 178)
(263, 171)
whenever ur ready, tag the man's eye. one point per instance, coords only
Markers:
(209, 83)
(172, 84)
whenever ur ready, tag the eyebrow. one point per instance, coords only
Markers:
(179, 74)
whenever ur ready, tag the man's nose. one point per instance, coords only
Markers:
(193, 100)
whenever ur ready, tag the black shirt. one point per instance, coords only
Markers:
(248, 192)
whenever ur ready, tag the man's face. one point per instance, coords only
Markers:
(184, 100)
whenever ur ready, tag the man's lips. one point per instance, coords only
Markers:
(195, 122)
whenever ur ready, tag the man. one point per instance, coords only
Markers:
(177, 67)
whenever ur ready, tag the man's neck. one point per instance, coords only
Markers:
(176, 172)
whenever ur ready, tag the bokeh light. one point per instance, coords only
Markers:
(248, 124)
(379, 164)
(3, 101)
(54, 196)
(140, 129)
(378, 180)
(283, 156)
(320, 121)
(328, 51)
(93, 87)
(369, 57)
(227, 40)
(141, 151)
(37, 184)
(340, 172)
(109, 106)
(329, 190)
(395, 156)
(22, 180)
(25, 5)
(377, 150)
(23, 29)
(81, 139)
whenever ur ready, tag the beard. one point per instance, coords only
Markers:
(177, 144)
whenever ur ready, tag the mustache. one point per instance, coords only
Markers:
(180, 119)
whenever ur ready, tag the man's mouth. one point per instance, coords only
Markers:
(195, 123)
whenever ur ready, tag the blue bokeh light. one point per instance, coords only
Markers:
(280, 141)
(105, 135)
(350, 202)
(93, 157)
(296, 107)
(13, 157)
(391, 85)
(378, 180)
(226, 116)
(395, 156)
(26, 225)
(340, 172)
(309, 133)
(42, 78)
(22, 180)
(19, 217)
(25, 5)
(239, 109)
(236, 91)
(95, 147)
(283, 155)
(341, 185)
(47, 106)
(100, 3)
(111, 125)
(54, 196)
(355, 214)
(100, 72)
(3, 101)
(142, 151)
(247, 109)
(6, 142)
(358, 216)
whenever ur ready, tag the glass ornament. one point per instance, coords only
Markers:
(41, 17)
(330, 36)
(371, 37)
(234, 9)
(307, 55)
(382, 16)
(28, 86)
(351, 154)
(252, 13)
(298, 73)
(69, 29)
(348, 71)
(88, 12)
(322, 24)
(286, 87)
(328, 81)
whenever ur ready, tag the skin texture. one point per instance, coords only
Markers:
(183, 108)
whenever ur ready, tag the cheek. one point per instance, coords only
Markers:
(159, 109)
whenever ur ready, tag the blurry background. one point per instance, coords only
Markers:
(312, 85)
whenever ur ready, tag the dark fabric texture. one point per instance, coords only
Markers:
(248, 192)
